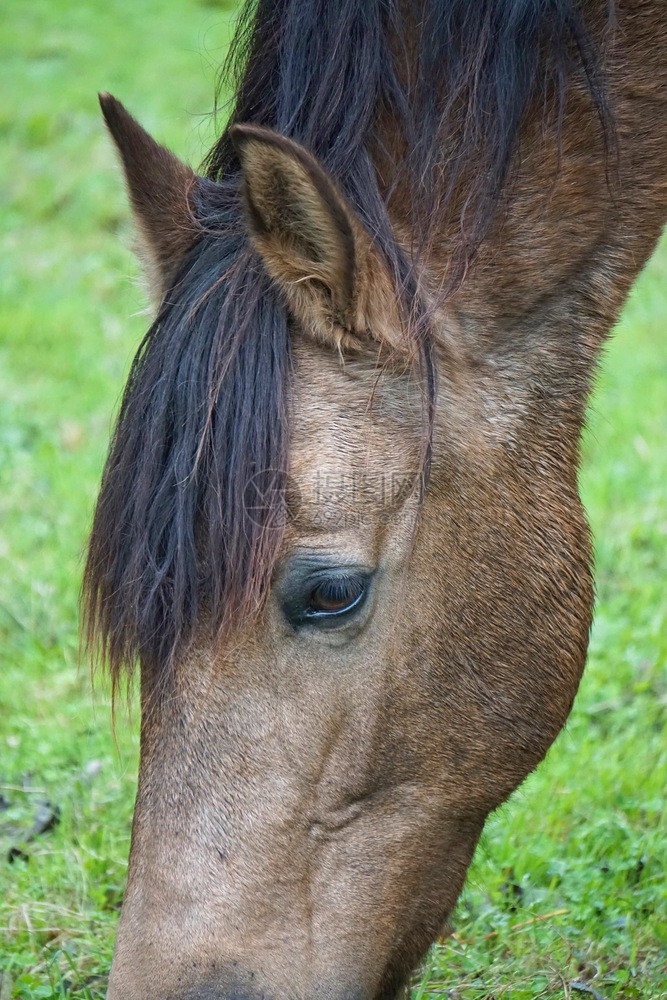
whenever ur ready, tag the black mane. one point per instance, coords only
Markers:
(205, 409)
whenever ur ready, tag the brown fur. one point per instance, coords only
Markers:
(159, 187)
(308, 804)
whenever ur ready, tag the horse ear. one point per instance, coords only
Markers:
(313, 244)
(159, 187)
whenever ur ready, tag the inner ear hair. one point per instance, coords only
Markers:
(297, 216)
(312, 242)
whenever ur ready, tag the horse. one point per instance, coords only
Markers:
(339, 530)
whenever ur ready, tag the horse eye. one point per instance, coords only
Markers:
(336, 595)
(326, 598)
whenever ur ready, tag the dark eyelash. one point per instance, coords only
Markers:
(339, 589)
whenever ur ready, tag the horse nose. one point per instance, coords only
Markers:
(226, 987)
(215, 992)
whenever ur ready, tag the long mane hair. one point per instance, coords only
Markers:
(205, 411)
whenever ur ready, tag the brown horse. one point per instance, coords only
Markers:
(339, 526)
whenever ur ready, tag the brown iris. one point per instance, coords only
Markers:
(336, 594)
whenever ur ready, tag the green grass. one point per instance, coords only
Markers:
(568, 885)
